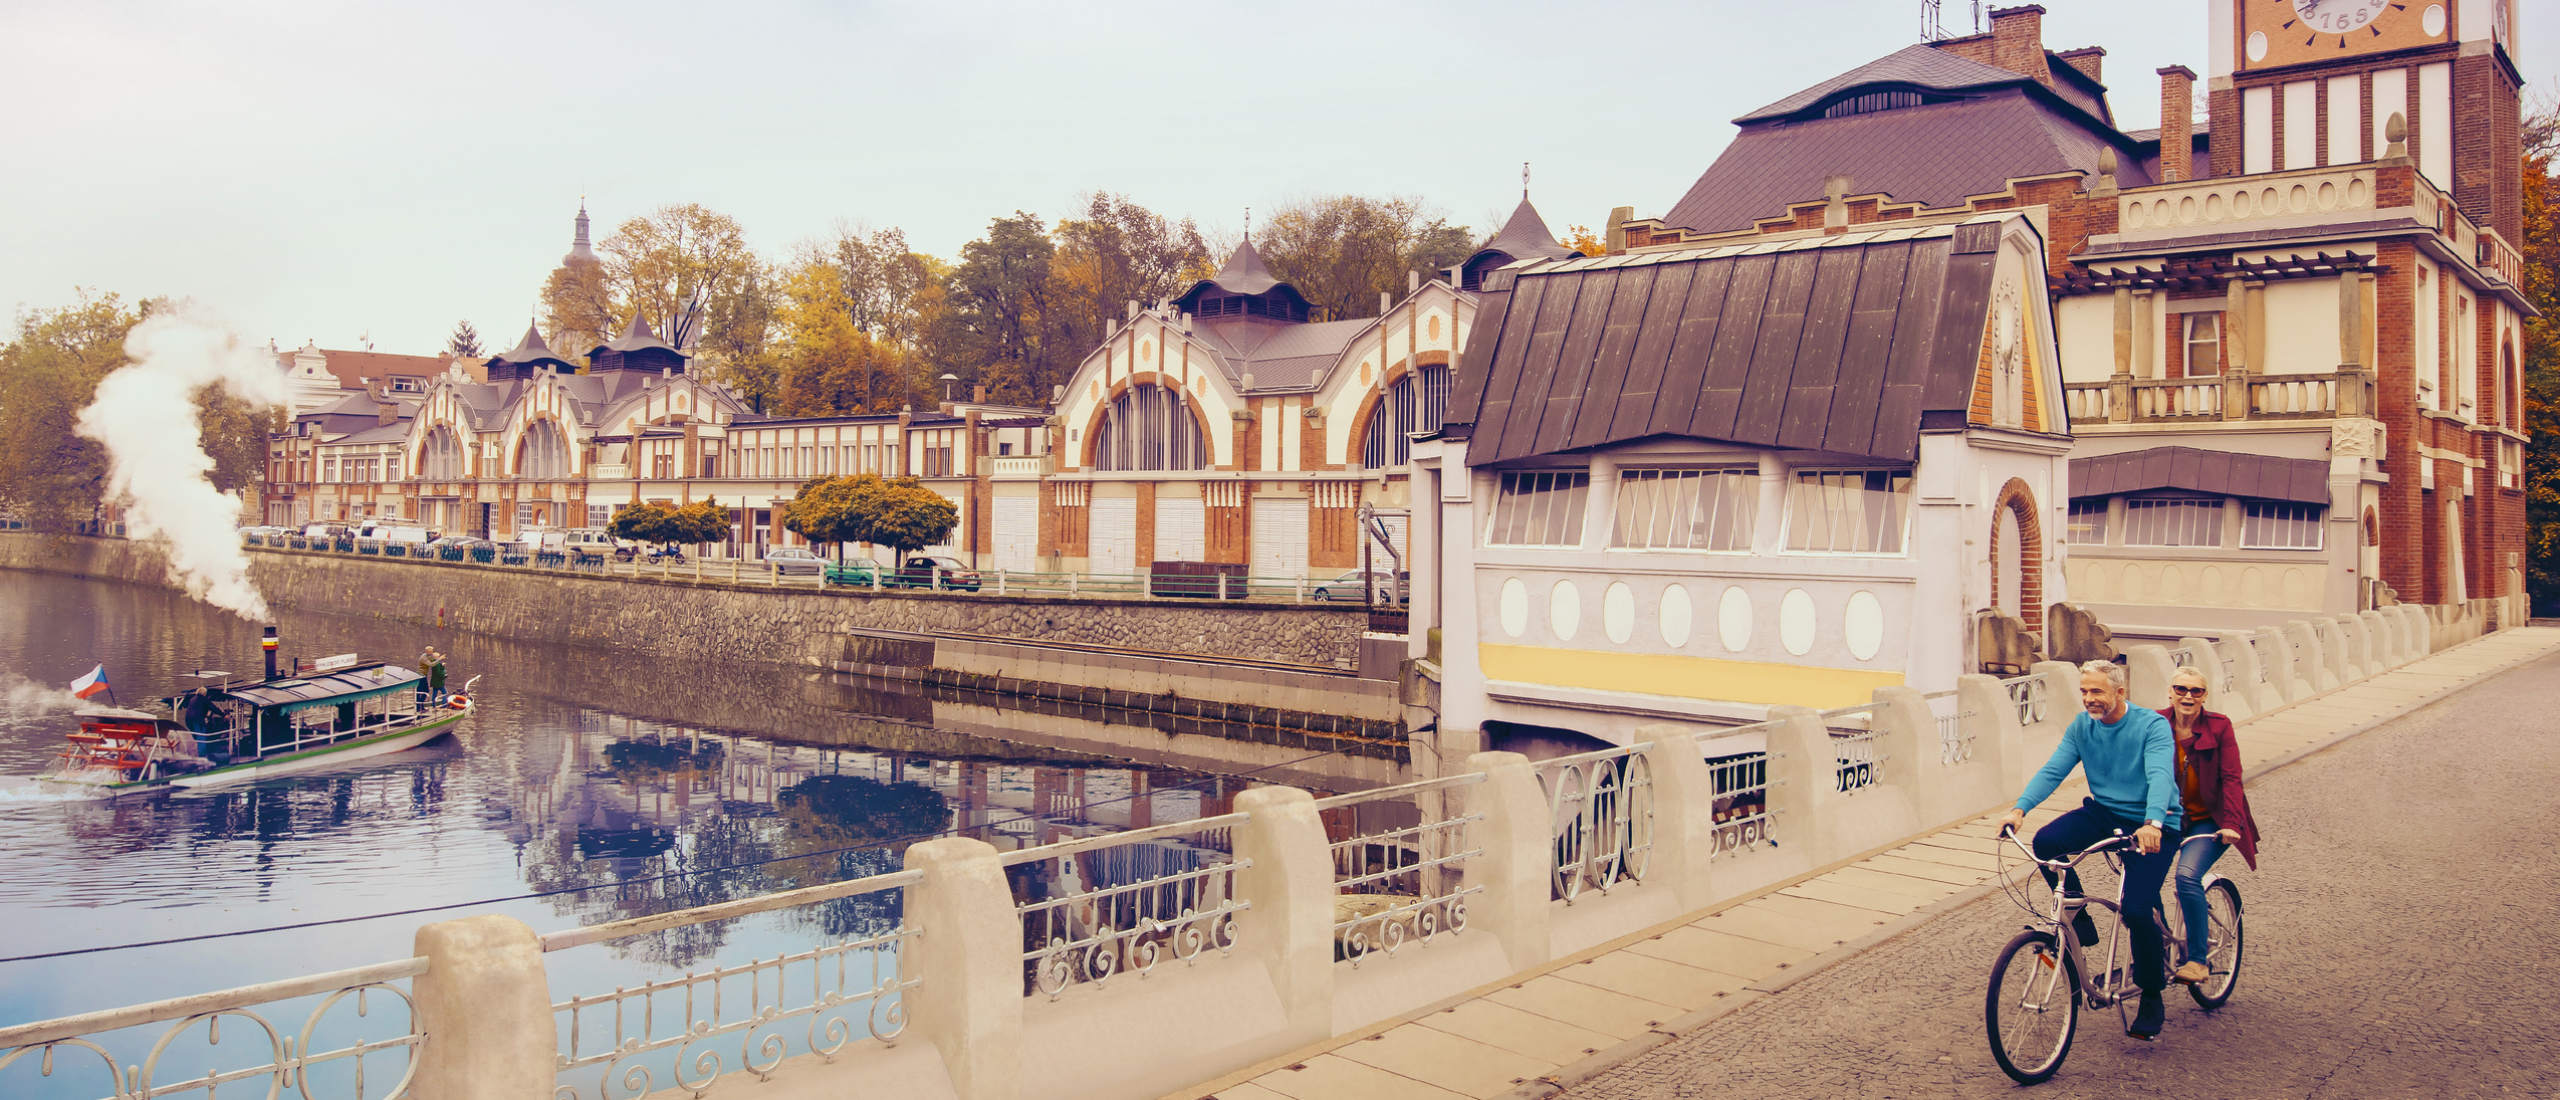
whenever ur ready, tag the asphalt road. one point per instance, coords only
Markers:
(2401, 942)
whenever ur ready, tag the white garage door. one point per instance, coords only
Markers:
(1179, 531)
(1280, 536)
(1114, 537)
(1017, 533)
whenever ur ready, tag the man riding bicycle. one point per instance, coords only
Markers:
(2129, 755)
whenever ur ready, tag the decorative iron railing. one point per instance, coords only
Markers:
(1853, 747)
(1125, 901)
(826, 985)
(1402, 883)
(1600, 811)
(1741, 807)
(287, 1058)
(1955, 738)
(2031, 695)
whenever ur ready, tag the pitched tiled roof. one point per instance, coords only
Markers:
(353, 367)
(636, 337)
(1279, 357)
(1936, 153)
(1838, 344)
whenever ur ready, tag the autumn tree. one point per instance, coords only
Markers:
(640, 522)
(1581, 239)
(1002, 293)
(1118, 252)
(906, 516)
(2542, 359)
(900, 514)
(50, 476)
(1342, 251)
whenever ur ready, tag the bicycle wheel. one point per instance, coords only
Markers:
(2222, 910)
(2032, 1008)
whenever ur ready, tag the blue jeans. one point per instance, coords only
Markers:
(2193, 861)
(2090, 824)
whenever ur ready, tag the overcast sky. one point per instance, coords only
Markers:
(330, 171)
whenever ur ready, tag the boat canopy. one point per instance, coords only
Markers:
(332, 687)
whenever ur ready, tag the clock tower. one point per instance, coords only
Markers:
(2309, 83)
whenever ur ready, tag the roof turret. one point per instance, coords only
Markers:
(1524, 236)
(1245, 288)
(529, 355)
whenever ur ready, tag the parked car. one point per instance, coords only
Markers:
(860, 571)
(1348, 586)
(329, 531)
(792, 561)
(918, 572)
(392, 532)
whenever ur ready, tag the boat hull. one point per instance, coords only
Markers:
(326, 756)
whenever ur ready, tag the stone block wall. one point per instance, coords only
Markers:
(730, 622)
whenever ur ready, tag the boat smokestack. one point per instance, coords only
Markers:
(268, 644)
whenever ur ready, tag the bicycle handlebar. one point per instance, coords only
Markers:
(2010, 833)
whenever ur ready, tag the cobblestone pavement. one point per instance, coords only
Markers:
(2400, 943)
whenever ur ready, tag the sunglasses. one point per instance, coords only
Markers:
(2186, 690)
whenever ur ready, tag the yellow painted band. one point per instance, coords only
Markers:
(1684, 677)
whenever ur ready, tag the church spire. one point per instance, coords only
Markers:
(579, 250)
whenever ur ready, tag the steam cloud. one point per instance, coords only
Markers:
(24, 698)
(145, 415)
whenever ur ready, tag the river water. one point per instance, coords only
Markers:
(590, 785)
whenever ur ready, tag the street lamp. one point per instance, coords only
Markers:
(946, 381)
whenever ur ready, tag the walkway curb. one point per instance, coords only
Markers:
(1564, 1079)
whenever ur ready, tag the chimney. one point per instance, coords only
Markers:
(2177, 123)
(386, 412)
(2087, 59)
(2017, 41)
(268, 643)
(978, 393)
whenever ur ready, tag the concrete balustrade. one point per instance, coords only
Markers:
(972, 1033)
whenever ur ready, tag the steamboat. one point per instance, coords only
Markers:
(329, 712)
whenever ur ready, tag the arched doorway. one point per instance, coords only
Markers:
(2017, 556)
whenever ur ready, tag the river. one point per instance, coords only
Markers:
(589, 785)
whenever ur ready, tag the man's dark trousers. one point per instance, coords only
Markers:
(2143, 875)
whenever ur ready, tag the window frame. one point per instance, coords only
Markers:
(2316, 522)
(1791, 513)
(1745, 517)
(2072, 528)
(2187, 342)
(1571, 489)
(2215, 505)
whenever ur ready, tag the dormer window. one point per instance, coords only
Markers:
(1872, 102)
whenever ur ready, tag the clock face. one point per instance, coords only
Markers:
(2298, 32)
(2338, 16)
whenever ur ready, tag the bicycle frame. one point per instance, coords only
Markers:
(2114, 984)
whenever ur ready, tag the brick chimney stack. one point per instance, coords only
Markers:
(2017, 41)
(2177, 123)
(2088, 59)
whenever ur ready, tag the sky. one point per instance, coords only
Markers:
(361, 171)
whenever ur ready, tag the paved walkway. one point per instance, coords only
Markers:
(1550, 1028)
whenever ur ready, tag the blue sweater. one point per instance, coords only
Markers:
(2131, 765)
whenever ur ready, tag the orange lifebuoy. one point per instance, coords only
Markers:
(459, 702)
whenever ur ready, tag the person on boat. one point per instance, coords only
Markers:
(431, 665)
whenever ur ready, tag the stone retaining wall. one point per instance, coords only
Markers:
(730, 622)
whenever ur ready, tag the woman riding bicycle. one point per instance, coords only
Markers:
(2209, 791)
(2129, 755)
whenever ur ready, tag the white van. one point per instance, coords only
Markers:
(389, 532)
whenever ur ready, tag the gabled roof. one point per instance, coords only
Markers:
(1835, 344)
(2195, 469)
(1280, 357)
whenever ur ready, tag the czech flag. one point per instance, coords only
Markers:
(91, 684)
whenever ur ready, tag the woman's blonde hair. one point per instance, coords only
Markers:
(2191, 670)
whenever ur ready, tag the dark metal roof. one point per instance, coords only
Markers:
(1525, 236)
(1936, 154)
(1919, 66)
(1835, 344)
(353, 683)
(2198, 470)
(530, 351)
(637, 337)
(1244, 272)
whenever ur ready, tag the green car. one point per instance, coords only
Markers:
(859, 571)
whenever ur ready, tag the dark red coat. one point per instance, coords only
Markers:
(2216, 752)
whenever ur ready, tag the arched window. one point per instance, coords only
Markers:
(443, 458)
(1149, 428)
(1417, 402)
(543, 452)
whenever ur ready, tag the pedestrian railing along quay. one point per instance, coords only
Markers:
(1050, 970)
(275, 1060)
